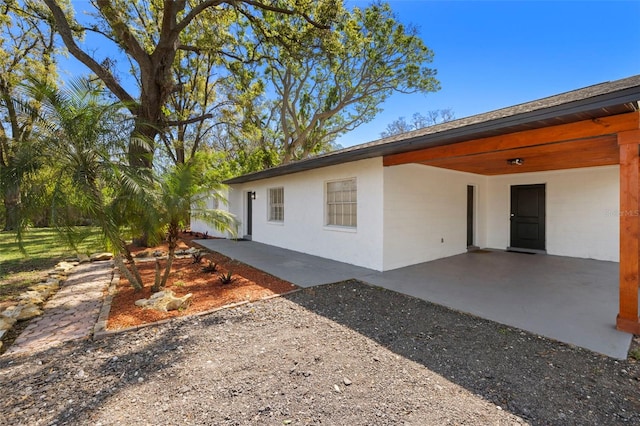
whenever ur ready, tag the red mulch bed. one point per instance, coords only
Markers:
(249, 284)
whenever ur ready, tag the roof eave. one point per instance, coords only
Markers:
(471, 131)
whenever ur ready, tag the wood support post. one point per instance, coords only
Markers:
(629, 143)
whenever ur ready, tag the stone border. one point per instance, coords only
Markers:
(33, 301)
(163, 257)
(100, 329)
(103, 317)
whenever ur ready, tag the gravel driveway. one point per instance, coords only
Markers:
(340, 354)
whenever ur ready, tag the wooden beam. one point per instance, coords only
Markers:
(598, 151)
(542, 136)
(627, 319)
(629, 137)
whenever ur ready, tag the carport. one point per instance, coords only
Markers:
(569, 132)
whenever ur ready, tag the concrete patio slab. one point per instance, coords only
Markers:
(298, 268)
(567, 299)
(571, 300)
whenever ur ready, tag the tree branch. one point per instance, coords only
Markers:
(189, 120)
(102, 33)
(276, 9)
(122, 33)
(64, 29)
(195, 11)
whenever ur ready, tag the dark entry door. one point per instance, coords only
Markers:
(528, 217)
(249, 212)
(470, 219)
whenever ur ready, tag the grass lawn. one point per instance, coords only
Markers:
(44, 248)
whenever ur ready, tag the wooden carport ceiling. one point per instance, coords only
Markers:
(599, 151)
(585, 143)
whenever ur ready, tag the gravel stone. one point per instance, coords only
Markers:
(401, 361)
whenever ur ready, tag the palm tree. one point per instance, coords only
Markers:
(87, 149)
(182, 192)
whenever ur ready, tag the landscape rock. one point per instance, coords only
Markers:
(158, 253)
(31, 298)
(6, 321)
(165, 301)
(99, 257)
(83, 258)
(62, 270)
(28, 311)
(64, 267)
(46, 289)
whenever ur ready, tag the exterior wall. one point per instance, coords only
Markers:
(413, 213)
(198, 225)
(425, 213)
(581, 211)
(303, 228)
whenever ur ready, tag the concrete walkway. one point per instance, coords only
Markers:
(71, 313)
(567, 299)
(297, 268)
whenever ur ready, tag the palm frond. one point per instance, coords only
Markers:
(221, 220)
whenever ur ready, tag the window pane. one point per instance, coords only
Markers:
(342, 203)
(276, 204)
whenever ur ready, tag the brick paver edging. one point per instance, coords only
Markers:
(100, 330)
(101, 324)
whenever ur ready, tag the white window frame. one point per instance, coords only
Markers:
(341, 204)
(276, 204)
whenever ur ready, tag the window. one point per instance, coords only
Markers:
(212, 202)
(342, 207)
(276, 204)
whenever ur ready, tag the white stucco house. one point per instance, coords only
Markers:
(558, 175)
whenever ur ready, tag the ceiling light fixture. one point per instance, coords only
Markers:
(515, 161)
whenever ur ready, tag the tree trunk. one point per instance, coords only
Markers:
(167, 269)
(123, 269)
(141, 148)
(123, 250)
(158, 278)
(172, 236)
(179, 145)
(134, 268)
(12, 201)
(142, 143)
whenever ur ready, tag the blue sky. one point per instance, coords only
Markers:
(494, 54)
